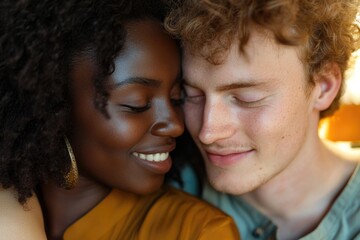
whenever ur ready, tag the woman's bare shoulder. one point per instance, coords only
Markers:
(18, 221)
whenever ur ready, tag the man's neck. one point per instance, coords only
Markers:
(299, 197)
(63, 207)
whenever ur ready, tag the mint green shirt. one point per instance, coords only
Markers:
(342, 222)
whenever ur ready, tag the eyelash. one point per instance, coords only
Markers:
(246, 103)
(194, 99)
(135, 109)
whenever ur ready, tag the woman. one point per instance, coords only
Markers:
(99, 117)
(17, 174)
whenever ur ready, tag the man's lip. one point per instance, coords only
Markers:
(227, 159)
(226, 153)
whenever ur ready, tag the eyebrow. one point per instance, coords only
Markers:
(232, 86)
(243, 83)
(139, 80)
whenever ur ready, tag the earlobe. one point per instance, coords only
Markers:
(328, 80)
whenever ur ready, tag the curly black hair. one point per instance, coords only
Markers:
(39, 41)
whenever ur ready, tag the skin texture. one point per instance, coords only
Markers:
(144, 117)
(13, 215)
(146, 78)
(261, 106)
(255, 119)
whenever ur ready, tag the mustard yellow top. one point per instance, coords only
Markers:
(167, 214)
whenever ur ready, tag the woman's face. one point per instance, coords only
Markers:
(130, 149)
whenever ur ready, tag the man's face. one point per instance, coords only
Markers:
(251, 116)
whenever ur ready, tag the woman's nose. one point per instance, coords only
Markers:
(169, 121)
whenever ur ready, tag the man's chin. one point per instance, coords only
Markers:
(226, 186)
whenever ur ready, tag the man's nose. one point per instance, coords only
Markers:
(217, 123)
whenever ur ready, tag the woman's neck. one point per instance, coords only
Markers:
(63, 207)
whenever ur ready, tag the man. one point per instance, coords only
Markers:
(258, 76)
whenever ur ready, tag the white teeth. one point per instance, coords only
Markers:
(157, 157)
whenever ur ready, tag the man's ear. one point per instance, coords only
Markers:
(328, 81)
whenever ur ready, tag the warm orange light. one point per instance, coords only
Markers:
(344, 125)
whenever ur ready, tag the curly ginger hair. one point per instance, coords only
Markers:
(326, 29)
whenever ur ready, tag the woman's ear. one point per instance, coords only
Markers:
(328, 81)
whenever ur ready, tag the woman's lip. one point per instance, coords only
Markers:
(224, 160)
(156, 167)
(157, 149)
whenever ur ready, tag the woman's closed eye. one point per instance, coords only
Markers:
(135, 108)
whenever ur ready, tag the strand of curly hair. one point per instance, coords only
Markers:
(326, 28)
(39, 41)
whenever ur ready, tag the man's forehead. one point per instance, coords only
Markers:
(257, 64)
(257, 35)
(197, 67)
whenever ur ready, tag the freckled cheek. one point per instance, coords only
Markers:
(265, 125)
(287, 129)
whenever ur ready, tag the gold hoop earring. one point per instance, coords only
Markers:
(72, 176)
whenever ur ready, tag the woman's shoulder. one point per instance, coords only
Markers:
(18, 221)
(186, 214)
(176, 196)
(177, 201)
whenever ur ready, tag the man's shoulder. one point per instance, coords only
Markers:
(250, 222)
(341, 222)
(343, 219)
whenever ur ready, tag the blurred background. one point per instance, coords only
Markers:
(343, 128)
